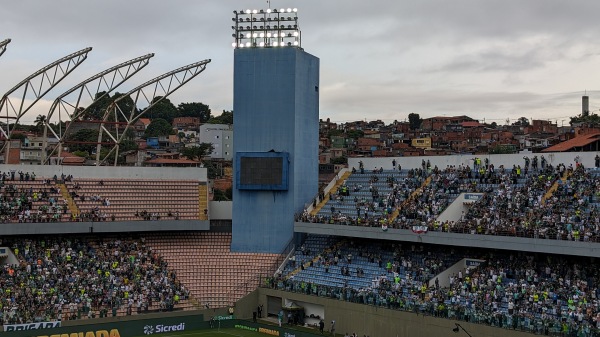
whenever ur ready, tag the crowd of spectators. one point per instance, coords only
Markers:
(536, 200)
(22, 199)
(367, 211)
(539, 293)
(26, 198)
(570, 212)
(64, 278)
(431, 200)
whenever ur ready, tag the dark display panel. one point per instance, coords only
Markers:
(261, 171)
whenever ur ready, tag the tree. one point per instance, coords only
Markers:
(97, 109)
(334, 132)
(83, 140)
(158, 127)
(414, 121)
(355, 134)
(162, 109)
(339, 160)
(39, 122)
(19, 136)
(195, 109)
(220, 195)
(590, 120)
(225, 118)
(522, 121)
(197, 152)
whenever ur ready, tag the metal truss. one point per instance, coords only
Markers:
(67, 107)
(33, 88)
(3, 45)
(151, 93)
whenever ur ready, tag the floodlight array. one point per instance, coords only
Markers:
(266, 28)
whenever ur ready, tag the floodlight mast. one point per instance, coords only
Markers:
(105, 81)
(151, 92)
(3, 45)
(266, 28)
(39, 83)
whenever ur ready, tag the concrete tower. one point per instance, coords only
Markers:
(585, 105)
(276, 113)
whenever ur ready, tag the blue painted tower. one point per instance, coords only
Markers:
(276, 118)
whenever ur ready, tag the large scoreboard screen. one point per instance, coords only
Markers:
(262, 170)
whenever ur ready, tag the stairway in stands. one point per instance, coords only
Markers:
(413, 195)
(202, 201)
(334, 189)
(554, 186)
(70, 202)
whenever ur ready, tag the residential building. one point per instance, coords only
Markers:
(221, 137)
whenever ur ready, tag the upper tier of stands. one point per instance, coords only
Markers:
(27, 198)
(545, 201)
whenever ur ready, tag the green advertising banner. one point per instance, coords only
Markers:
(133, 328)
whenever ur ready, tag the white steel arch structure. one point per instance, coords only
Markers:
(33, 88)
(3, 45)
(68, 105)
(151, 93)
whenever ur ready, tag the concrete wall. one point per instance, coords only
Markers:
(106, 172)
(376, 321)
(103, 227)
(276, 108)
(455, 210)
(444, 277)
(554, 158)
(220, 210)
(591, 249)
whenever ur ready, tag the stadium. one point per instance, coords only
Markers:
(482, 245)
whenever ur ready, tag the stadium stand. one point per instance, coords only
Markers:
(539, 293)
(542, 294)
(214, 275)
(553, 202)
(136, 199)
(77, 277)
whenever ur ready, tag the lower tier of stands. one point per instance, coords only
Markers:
(213, 274)
(518, 290)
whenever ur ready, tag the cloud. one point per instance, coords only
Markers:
(379, 60)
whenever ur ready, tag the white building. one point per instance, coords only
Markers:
(221, 137)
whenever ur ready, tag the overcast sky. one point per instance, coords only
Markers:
(490, 60)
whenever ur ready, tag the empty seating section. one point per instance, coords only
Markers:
(137, 199)
(214, 276)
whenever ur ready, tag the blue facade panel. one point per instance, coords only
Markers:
(276, 108)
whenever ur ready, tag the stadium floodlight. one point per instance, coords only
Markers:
(266, 28)
(3, 45)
